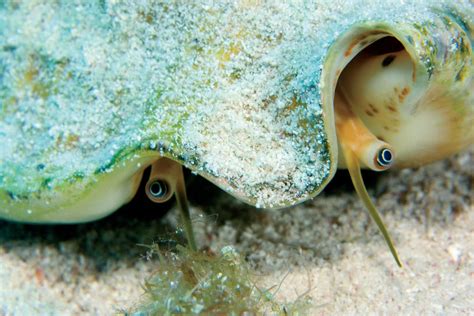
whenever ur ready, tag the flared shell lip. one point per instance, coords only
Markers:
(339, 54)
(344, 49)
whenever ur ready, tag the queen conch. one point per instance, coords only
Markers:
(264, 99)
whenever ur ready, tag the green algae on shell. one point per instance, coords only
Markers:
(239, 92)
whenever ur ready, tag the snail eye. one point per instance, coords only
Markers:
(388, 60)
(158, 189)
(385, 158)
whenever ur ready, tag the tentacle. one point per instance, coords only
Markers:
(166, 179)
(356, 176)
(182, 201)
(358, 144)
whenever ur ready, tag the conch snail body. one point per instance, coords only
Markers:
(264, 99)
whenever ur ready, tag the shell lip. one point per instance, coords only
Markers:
(354, 41)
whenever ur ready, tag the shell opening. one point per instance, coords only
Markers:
(362, 103)
(379, 88)
(373, 89)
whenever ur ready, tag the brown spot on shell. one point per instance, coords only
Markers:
(348, 52)
(39, 275)
(391, 108)
(369, 113)
(392, 129)
(403, 94)
(373, 108)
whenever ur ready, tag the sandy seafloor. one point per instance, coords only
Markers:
(326, 247)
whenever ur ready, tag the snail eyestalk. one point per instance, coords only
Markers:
(166, 179)
(359, 145)
(370, 151)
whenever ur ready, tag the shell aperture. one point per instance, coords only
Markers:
(377, 93)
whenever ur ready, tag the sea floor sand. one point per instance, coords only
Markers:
(326, 248)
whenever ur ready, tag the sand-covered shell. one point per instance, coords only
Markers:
(240, 92)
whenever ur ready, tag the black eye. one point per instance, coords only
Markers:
(158, 189)
(388, 60)
(385, 157)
